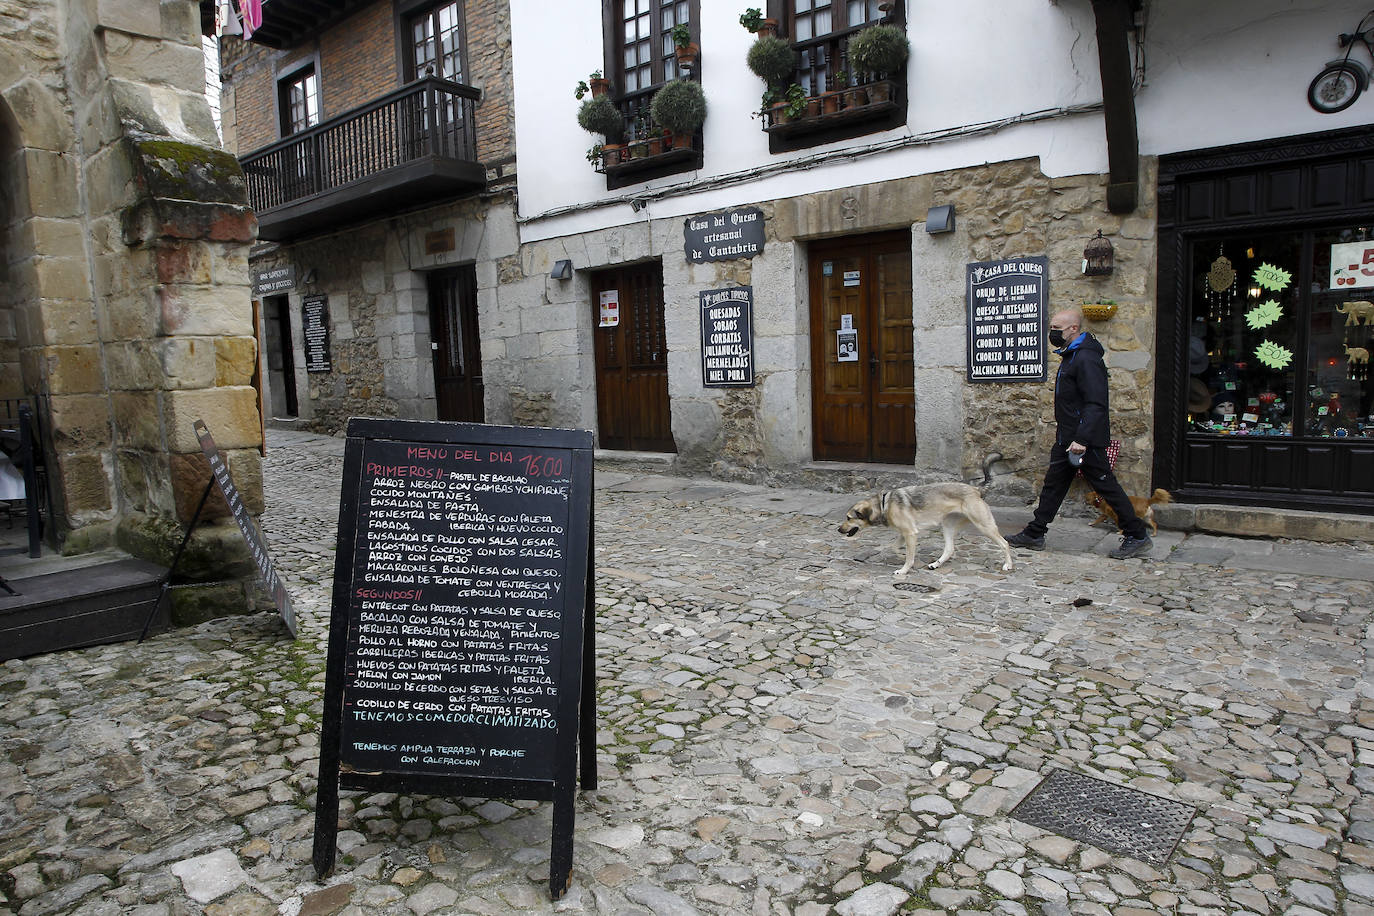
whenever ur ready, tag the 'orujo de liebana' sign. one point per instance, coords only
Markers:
(727, 337)
(1006, 320)
(461, 641)
(724, 236)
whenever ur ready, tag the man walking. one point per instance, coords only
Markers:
(1081, 436)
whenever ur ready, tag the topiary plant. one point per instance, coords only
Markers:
(680, 106)
(600, 116)
(879, 49)
(772, 59)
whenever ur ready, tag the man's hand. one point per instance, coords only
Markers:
(1077, 448)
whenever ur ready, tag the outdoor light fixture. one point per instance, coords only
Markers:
(310, 276)
(1097, 256)
(940, 219)
(562, 270)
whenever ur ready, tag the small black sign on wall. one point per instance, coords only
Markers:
(1006, 320)
(315, 330)
(727, 337)
(461, 645)
(724, 236)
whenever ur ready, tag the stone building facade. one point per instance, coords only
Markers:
(124, 311)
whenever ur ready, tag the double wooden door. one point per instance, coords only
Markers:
(862, 350)
(632, 409)
(456, 345)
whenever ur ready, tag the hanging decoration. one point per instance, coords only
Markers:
(1273, 355)
(1221, 280)
(1263, 315)
(1357, 363)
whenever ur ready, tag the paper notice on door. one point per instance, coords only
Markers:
(847, 346)
(610, 308)
(846, 322)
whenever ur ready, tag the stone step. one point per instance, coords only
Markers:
(1265, 522)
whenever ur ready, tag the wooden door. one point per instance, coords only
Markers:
(865, 408)
(632, 411)
(456, 345)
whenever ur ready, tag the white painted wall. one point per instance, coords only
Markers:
(1220, 72)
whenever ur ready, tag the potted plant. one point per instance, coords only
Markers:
(600, 116)
(879, 51)
(684, 48)
(772, 60)
(596, 153)
(787, 105)
(679, 108)
(596, 84)
(831, 97)
(754, 21)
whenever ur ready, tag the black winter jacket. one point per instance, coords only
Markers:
(1080, 395)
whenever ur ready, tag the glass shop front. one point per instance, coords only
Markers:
(1267, 323)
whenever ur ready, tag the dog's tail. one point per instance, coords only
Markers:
(988, 462)
(1160, 496)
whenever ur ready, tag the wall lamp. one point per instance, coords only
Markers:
(940, 219)
(311, 276)
(562, 270)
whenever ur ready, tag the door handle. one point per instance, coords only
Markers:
(872, 364)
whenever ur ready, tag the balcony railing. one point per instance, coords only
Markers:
(427, 120)
(647, 151)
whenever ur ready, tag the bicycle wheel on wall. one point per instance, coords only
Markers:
(1336, 88)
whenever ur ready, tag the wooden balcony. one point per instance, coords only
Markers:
(841, 103)
(413, 146)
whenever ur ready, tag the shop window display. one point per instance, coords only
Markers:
(1281, 333)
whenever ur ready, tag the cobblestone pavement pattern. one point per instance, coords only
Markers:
(781, 731)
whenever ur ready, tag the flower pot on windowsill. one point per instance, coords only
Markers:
(879, 91)
(767, 27)
(1099, 311)
(599, 86)
(611, 154)
(813, 107)
(857, 97)
(687, 55)
(830, 102)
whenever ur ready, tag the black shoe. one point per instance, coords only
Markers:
(1030, 542)
(1132, 547)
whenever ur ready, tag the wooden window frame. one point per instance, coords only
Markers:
(283, 79)
(782, 11)
(404, 12)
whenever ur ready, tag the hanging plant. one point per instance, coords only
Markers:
(751, 19)
(879, 49)
(680, 106)
(771, 59)
(600, 116)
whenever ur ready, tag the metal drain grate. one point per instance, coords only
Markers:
(1109, 816)
(913, 587)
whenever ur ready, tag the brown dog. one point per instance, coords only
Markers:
(1143, 508)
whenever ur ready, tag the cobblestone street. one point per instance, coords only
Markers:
(781, 731)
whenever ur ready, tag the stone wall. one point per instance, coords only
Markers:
(375, 276)
(126, 245)
(543, 350)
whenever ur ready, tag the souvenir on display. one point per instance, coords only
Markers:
(1221, 285)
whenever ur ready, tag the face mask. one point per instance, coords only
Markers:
(1056, 338)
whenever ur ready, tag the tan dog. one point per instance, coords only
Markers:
(947, 504)
(1144, 508)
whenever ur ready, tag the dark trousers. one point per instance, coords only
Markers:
(1097, 471)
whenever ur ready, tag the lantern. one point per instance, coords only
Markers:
(1097, 256)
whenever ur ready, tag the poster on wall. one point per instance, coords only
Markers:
(1352, 265)
(1006, 320)
(727, 337)
(610, 308)
(315, 330)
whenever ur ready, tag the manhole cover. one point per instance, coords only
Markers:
(1109, 816)
(912, 587)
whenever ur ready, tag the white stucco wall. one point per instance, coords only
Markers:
(1215, 73)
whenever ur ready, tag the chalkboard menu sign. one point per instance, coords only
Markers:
(219, 471)
(315, 328)
(724, 236)
(1006, 320)
(727, 337)
(461, 641)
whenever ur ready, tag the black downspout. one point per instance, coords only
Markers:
(1114, 24)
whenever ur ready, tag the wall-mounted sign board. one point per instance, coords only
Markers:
(315, 332)
(273, 280)
(724, 236)
(727, 337)
(461, 645)
(1006, 320)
